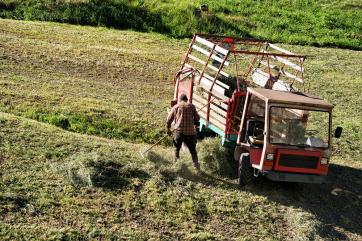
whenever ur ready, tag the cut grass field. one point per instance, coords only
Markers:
(100, 81)
(60, 185)
(107, 90)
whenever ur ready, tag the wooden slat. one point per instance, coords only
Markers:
(204, 95)
(216, 69)
(207, 53)
(210, 66)
(207, 83)
(212, 105)
(285, 61)
(213, 121)
(213, 114)
(215, 93)
(188, 66)
(280, 85)
(217, 81)
(216, 85)
(292, 76)
(219, 118)
(211, 45)
(280, 49)
(216, 123)
(260, 77)
(190, 56)
(221, 50)
(204, 42)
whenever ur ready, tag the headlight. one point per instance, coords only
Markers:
(324, 161)
(270, 156)
(327, 153)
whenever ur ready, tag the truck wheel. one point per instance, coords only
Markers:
(245, 171)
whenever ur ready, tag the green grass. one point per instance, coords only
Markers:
(165, 200)
(318, 23)
(58, 185)
(76, 106)
(118, 84)
(93, 83)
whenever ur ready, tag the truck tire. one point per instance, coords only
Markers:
(245, 171)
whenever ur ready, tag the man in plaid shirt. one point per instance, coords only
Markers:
(185, 116)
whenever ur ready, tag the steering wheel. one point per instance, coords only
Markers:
(258, 133)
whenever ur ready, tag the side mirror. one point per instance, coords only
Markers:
(338, 132)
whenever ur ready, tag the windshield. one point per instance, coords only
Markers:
(299, 127)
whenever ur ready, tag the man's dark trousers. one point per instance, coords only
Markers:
(190, 141)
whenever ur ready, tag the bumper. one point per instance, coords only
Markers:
(293, 177)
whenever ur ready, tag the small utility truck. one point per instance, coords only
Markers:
(251, 93)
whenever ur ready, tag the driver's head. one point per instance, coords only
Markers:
(184, 98)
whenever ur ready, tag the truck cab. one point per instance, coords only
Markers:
(284, 136)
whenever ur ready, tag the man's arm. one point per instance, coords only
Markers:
(170, 117)
(196, 117)
(195, 114)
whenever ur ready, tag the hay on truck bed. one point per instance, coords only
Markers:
(217, 70)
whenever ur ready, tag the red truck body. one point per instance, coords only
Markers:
(250, 93)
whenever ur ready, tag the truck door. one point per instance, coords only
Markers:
(253, 128)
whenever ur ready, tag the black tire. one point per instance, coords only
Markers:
(245, 171)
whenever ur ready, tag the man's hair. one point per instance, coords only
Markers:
(183, 97)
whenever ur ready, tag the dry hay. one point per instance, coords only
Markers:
(216, 159)
(100, 170)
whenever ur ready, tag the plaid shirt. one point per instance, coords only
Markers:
(185, 115)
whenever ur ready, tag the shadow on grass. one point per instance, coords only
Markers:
(185, 173)
(108, 13)
(12, 202)
(180, 22)
(205, 178)
(157, 159)
(103, 173)
(337, 203)
(115, 176)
